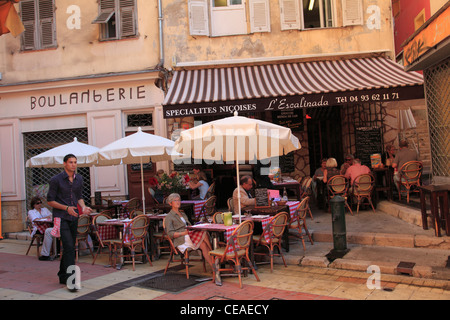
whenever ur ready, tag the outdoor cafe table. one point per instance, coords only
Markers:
(287, 183)
(214, 229)
(197, 204)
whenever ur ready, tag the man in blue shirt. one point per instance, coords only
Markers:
(65, 195)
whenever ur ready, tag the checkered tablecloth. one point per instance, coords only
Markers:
(268, 231)
(107, 232)
(292, 207)
(198, 204)
(227, 230)
(42, 224)
(196, 237)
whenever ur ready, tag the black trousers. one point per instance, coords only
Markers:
(68, 232)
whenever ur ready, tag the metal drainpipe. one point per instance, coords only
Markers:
(161, 40)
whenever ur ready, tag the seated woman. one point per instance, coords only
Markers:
(38, 211)
(331, 170)
(200, 184)
(176, 223)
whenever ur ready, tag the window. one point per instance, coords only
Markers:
(227, 17)
(307, 14)
(38, 18)
(117, 19)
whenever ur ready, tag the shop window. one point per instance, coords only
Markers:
(117, 19)
(140, 120)
(38, 18)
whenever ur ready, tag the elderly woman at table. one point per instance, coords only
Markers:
(38, 211)
(176, 222)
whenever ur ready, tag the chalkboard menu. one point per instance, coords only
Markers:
(292, 119)
(262, 198)
(287, 163)
(368, 142)
(145, 166)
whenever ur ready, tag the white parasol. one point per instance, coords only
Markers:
(236, 139)
(54, 158)
(139, 147)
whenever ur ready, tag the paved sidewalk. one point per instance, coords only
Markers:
(373, 239)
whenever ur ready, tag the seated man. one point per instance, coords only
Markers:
(355, 170)
(246, 184)
(38, 211)
(403, 156)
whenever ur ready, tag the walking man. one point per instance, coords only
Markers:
(65, 195)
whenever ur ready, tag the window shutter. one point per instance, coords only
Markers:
(290, 14)
(259, 16)
(27, 13)
(198, 18)
(47, 28)
(352, 12)
(127, 18)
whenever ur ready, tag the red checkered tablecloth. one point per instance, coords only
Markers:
(211, 227)
(107, 232)
(43, 224)
(198, 204)
(292, 207)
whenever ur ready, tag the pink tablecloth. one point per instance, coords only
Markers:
(198, 204)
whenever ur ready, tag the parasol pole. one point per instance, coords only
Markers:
(239, 186)
(142, 186)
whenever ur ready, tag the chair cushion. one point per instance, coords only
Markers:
(220, 252)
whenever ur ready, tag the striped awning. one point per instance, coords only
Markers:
(289, 86)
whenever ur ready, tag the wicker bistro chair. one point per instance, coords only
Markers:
(135, 213)
(338, 186)
(211, 190)
(102, 243)
(38, 237)
(230, 204)
(298, 221)
(208, 209)
(306, 187)
(362, 189)
(271, 237)
(137, 231)
(83, 230)
(184, 256)
(409, 176)
(241, 236)
(218, 218)
(130, 206)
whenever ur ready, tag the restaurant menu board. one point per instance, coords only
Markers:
(262, 198)
(287, 162)
(292, 119)
(368, 142)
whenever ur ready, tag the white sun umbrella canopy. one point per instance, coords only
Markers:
(87, 155)
(236, 139)
(137, 148)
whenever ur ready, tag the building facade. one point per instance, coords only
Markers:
(83, 69)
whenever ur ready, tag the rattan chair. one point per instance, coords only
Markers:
(130, 206)
(230, 204)
(271, 237)
(102, 243)
(409, 176)
(38, 237)
(241, 236)
(137, 231)
(338, 186)
(298, 221)
(362, 189)
(208, 209)
(211, 190)
(218, 218)
(83, 229)
(184, 256)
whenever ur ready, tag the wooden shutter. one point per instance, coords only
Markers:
(47, 28)
(198, 18)
(127, 18)
(352, 12)
(259, 16)
(290, 14)
(28, 16)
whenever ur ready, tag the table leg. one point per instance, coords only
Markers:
(423, 208)
(218, 278)
(435, 213)
(443, 201)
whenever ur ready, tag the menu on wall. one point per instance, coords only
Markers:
(262, 198)
(368, 142)
(292, 119)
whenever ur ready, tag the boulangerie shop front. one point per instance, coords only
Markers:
(97, 110)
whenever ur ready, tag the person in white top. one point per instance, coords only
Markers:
(200, 184)
(38, 211)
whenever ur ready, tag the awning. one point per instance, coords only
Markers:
(289, 86)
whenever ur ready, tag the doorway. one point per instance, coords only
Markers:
(324, 135)
(134, 178)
